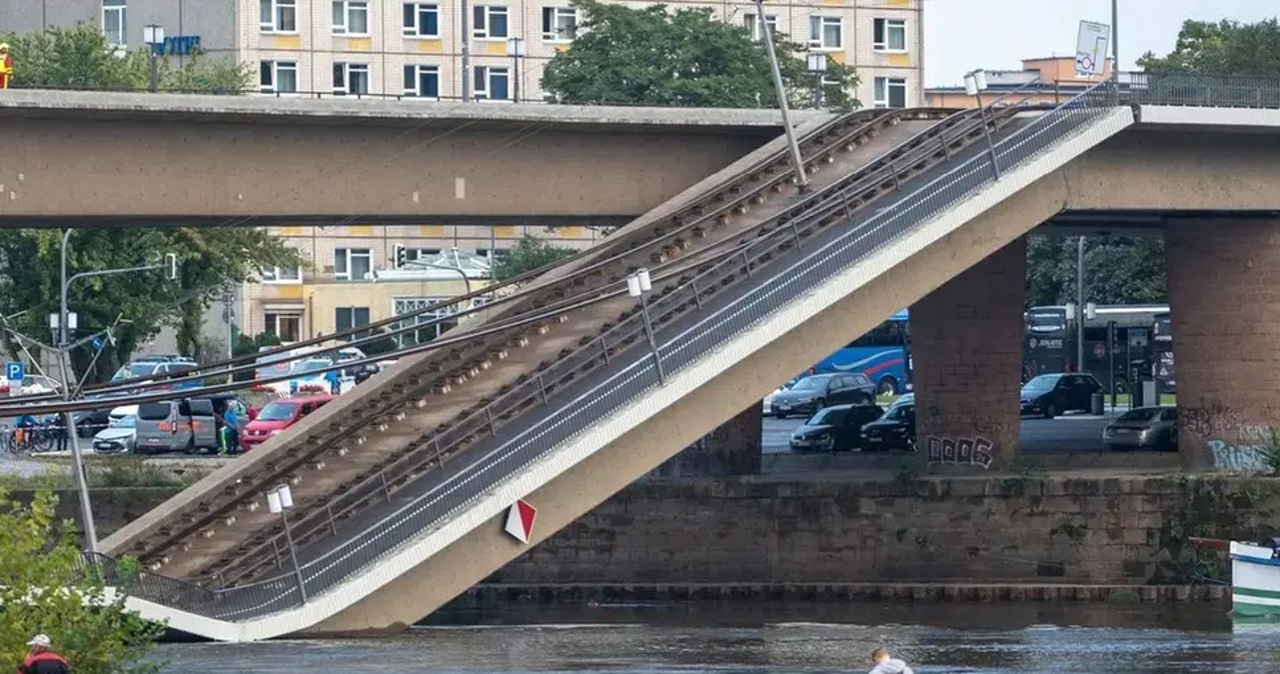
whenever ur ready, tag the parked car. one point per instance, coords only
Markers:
(121, 433)
(1154, 427)
(896, 429)
(279, 415)
(820, 390)
(834, 429)
(188, 425)
(1049, 395)
(151, 366)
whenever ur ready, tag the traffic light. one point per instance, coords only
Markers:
(401, 256)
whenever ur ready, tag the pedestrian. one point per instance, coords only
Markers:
(335, 381)
(41, 659)
(884, 664)
(6, 66)
(230, 430)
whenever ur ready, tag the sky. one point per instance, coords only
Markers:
(963, 35)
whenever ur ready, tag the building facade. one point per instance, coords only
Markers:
(1051, 80)
(415, 49)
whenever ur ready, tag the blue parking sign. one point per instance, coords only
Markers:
(15, 370)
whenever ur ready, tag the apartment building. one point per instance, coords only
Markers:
(351, 277)
(415, 49)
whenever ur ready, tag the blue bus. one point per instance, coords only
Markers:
(883, 355)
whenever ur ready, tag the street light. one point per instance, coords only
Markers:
(153, 36)
(817, 66)
(279, 501)
(639, 285)
(515, 49)
(974, 84)
(802, 176)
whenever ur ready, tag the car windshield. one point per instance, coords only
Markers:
(312, 364)
(1043, 382)
(125, 422)
(133, 370)
(810, 384)
(1140, 414)
(828, 417)
(277, 411)
(899, 413)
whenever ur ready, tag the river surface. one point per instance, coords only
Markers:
(776, 638)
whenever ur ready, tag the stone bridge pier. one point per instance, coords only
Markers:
(966, 339)
(1224, 297)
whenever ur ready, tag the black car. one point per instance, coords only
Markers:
(820, 390)
(834, 429)
(895, 430)
(1049, 395)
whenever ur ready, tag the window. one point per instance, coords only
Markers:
(346, 318)
(890, 92)
(114, 26)
(278, 77)
(350, 78)
(423, 254)
(282, 275)
(752, 24)
(422, 81)
(489, 22)
(559, 24)
(350, 17)
(351, 264)
(492, 83)
(286, 325)
(890, 35)
(421, 20)
(278, 16)
(826, 32)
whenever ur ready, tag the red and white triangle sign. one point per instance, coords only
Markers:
(520, 520)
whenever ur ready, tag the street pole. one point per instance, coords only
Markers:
(515, 70)
(802, 178)
(1111, 367)
(1080, 304)
(465, 50)
(1115, 45)
(82, 482)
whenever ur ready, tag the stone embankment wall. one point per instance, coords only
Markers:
(964, 530)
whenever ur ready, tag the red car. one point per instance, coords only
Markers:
(279, 415)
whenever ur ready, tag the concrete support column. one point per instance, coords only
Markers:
(1224, 294)
(732, 449)
(966, 341)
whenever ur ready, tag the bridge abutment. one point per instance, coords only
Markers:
(1223, 280)
(966, 341)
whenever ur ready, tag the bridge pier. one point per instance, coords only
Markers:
(1223, 280)
(966, 341)
(732, 449)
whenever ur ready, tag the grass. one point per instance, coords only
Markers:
(1125, 399)
(117, 473)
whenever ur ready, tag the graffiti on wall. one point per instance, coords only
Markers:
(1249, 454)
(1207, 418)
(975, 451)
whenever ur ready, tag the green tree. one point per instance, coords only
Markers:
(1117, 270)
(649, 56)
(79, 57)
(47, 590)
(1222, 47)
(528, 254)
(210, 259)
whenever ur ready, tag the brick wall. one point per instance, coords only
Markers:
(954, 529)
(966, 339)
(1223, 280)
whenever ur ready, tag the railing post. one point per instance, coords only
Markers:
(439, 455)
(493, 428)
(275, 547)
(542, 389)
(697, 296)
(844, 202)
(604, 348)
(746, 263)
(897, 181)
(946, 149)
(795, 232)
(386, 490)
(333, 526)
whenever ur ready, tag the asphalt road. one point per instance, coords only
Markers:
(1070, 433)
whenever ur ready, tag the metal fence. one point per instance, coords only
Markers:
(678, 348)
(1199, 90)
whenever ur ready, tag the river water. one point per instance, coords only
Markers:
(775, 638)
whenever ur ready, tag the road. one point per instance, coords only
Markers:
(1070, 433)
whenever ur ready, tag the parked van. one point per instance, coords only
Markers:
(188, 425)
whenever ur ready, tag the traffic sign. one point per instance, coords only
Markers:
(15, 370)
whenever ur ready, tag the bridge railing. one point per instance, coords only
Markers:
(677, 349)
(1201, 90)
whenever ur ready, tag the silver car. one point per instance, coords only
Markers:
(1154, 427)
(120, 436)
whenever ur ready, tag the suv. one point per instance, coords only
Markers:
(1049, 395)
(820, 390)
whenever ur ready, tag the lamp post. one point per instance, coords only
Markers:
(817, 66)
(279, 501)
(153, 36)
(638, 285)
(515, 49)
(974, 84)
(802, 176)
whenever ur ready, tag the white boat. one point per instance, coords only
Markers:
(1255, 580)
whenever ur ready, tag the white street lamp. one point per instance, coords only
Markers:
(639, 285)
(279, 501)
(515, 49)
(975, 83)
(153, 37)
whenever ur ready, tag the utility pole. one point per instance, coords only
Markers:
(802, 177)
(1115, 45)
(1080, 304)
(465, 50)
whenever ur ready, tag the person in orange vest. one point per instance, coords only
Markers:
(42, 660)
(6, 66)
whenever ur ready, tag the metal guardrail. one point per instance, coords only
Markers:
(1201, 90)
(678, 351)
